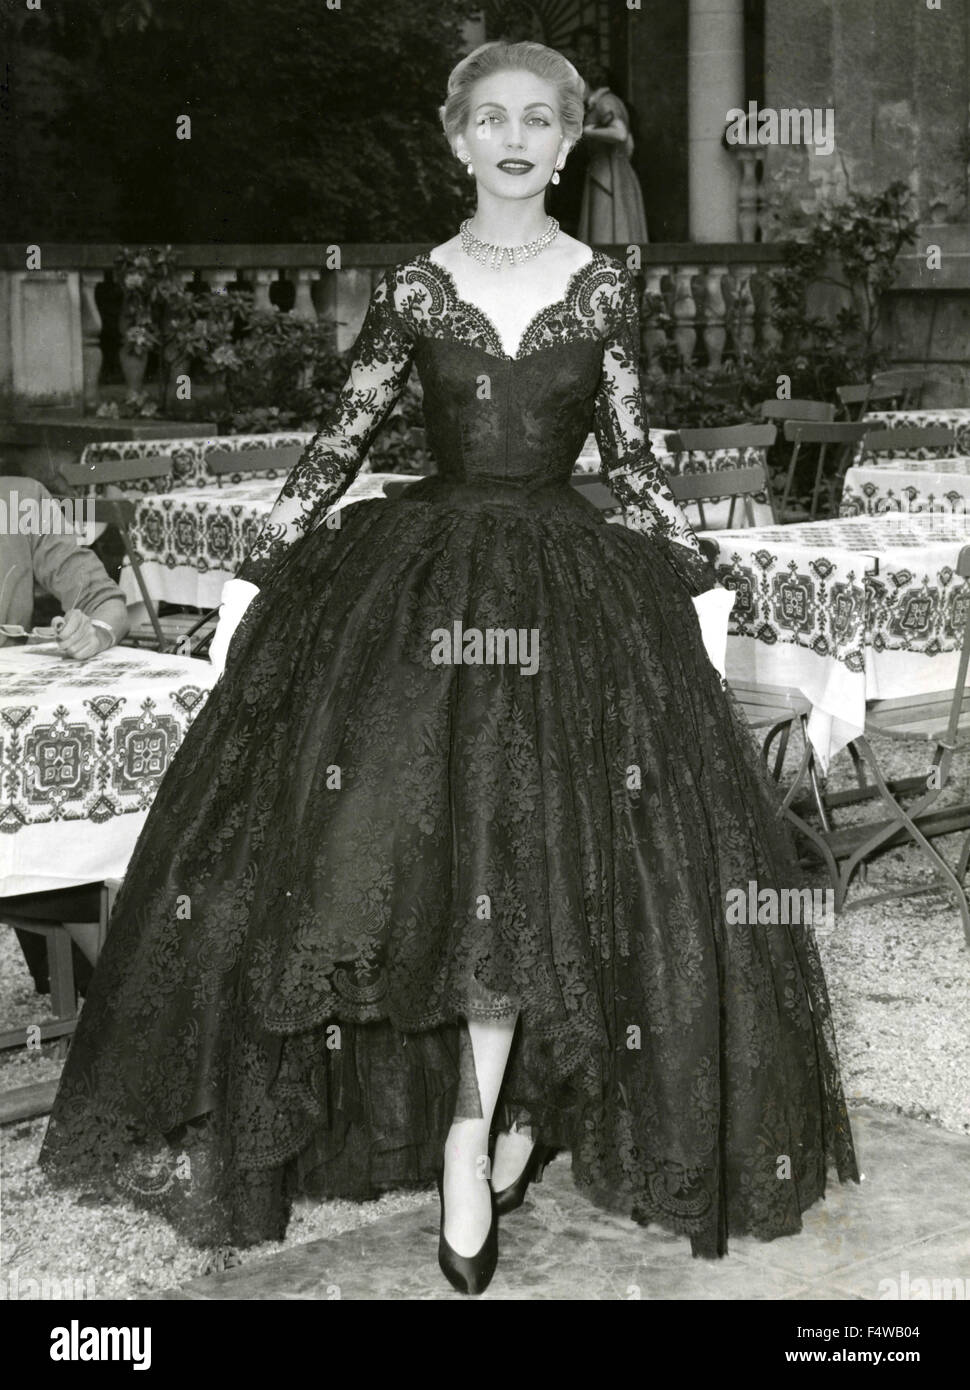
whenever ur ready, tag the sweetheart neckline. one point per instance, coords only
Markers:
(463, 303)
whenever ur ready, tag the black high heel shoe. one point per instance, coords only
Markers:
(512, 1197)
(469, 1274)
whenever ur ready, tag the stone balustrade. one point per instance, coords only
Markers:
(701, 302)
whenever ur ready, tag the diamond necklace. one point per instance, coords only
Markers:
(494, 256)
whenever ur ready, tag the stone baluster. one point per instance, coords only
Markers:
(653, 336)
(742, 318)
(685, 313)
(219, 280)
(748, 195)
(715, 312)
(303, 306)
(90, 336)
(261, 281)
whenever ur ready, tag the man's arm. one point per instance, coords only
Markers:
(76, 577)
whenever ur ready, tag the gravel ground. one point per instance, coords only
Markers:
(899, 979)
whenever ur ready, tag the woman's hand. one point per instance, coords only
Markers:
(237, 595)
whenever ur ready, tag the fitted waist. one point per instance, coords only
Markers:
(501, 493)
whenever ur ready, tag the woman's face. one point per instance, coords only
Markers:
(514, 137)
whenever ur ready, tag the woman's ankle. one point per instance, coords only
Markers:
(466, 1147)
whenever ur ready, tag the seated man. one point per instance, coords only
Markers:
(96, 618)
(94, 606)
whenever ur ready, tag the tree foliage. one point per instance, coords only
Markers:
(307, 123)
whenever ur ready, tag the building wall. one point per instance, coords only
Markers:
(897, 76)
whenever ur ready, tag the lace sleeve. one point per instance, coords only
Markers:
(380, 364)
(628, 465)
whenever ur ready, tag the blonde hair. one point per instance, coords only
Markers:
(513, 57)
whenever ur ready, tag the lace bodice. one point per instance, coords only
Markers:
(491, 418)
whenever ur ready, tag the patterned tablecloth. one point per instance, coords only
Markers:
(83, 747)
(192, 540)
(697, 461)
(846, 611)
(907, 485)
(951, 417)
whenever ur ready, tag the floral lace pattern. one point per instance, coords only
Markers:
(363, 841)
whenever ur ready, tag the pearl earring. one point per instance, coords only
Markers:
(555, 176)
(468, 166)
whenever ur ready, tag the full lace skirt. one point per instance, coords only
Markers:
(358, 846)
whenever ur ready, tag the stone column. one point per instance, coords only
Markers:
(715, 84)
(90, 336)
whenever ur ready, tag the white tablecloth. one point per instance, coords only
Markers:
(83, 747)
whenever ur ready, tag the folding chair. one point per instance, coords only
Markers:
(864, 396)
(802, 432)
(225, 461)
(744, 483)
(774, 709)
(908, 380)
(773, 409)
(907, 438)
(943, 720)
(724, 482)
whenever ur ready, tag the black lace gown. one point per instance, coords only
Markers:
(358, 844)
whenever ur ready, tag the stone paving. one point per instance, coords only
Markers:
(909, 1219)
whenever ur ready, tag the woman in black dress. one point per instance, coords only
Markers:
(448, 849)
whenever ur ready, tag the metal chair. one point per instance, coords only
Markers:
(908, 380)
(942, 719)
(224, 461)
(906, 438)
(802, 432)
(743, 483)
(871, 392)
(773, 409)
(717, 484)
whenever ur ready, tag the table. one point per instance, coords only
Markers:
(846, 611)
(950, 417)
(83, 747)
(697, 461)
(900, 484)
(191, 540)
